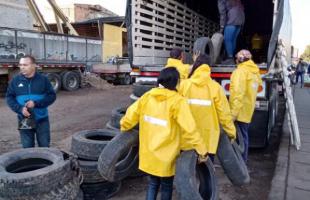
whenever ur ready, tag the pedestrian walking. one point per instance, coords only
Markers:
(244, 83)
(29, 94)
(300, 71)
(175, 60)
(231, 20)
(208, 104)
(165, 120)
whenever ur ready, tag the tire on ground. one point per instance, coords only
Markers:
(204, 46)
(43, 173)
(116, 116)
(195, 181)
(55, 80)
(100, 191)
(88, 144)
(139, 88)
(119, 158)
(70, 81)
(90, 171)
(232, 162)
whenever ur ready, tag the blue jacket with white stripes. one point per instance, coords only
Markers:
(38, 89)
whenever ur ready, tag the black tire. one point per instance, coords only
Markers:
(240, 140)
(55, 80)
(88, 144)
(217, 42)
(90, 171)
(187, 58)
(80, 195)
(116, 116)
(70, 81)
(139, 88)
(205, 46)
(195, 181)
(100, 191)
(36, 172)
(119, 158)
(232, 162)
(126, 80)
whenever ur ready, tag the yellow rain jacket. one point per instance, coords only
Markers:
(164, 118)
(209, 107)
(244, 83)
(182, 68)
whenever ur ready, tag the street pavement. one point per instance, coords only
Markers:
(292, 174)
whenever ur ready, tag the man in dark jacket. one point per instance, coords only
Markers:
(300, 70)
(231, 19)
(29, 94)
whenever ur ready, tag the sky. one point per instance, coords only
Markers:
(300, 16)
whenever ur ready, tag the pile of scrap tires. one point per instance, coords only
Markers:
(39, 173)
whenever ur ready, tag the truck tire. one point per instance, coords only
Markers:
(100, 191)
(117, 114)
(240, 140)
(119, 158)
(55, 80)
(195, 181)
(88, 144)
(217, 42)
(126, 80)
(204, 46)
(80, 195)
(37, 172)
(187, 58)
(139, 88)
(90, 171)
(71, 81)
(232, 162)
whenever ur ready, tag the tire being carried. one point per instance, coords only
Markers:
(38, 173)
(141, 87)
(232, 162)
(195, 181)
(119, 158)
(204, 46)
(88, 144)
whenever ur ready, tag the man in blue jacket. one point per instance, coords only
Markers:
(29, 94)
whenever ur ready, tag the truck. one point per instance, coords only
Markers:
(61, 57)
(156, 26)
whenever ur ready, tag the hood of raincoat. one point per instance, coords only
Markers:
(162, 94)
(182, 68)
(201, 75)
(250, 66)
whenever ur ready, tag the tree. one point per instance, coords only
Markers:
(306, 54)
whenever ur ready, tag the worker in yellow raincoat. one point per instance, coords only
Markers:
(175, 60)
(208, 104)
(244, 83)
(164, 118)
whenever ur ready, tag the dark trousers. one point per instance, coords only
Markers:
(301, 75)
(165, 184)
(244, 128)
(41, 133)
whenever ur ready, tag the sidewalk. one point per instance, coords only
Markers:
(291, 179)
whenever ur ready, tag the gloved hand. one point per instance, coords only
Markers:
(202, 159)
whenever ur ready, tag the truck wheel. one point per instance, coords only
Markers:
(37, 172)
(70, 81)
(126, 80)
(232, 162)
(55, 80)
(205, 46)
(88, 144)
(195, 181)
(142, 87)
(120, 157)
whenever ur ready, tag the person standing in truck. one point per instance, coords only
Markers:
(175, 60)
(244, 83)
(208, 104)
(29, 94)
(164, 118)
(231, 20)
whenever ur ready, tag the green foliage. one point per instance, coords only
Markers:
(306, 54)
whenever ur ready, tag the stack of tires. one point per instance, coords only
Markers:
(88, 145)
(39, 173)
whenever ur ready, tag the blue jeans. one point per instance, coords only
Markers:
(244, 128)
(301, 74)
(165, 184)
(41, 132)
(231, 33)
